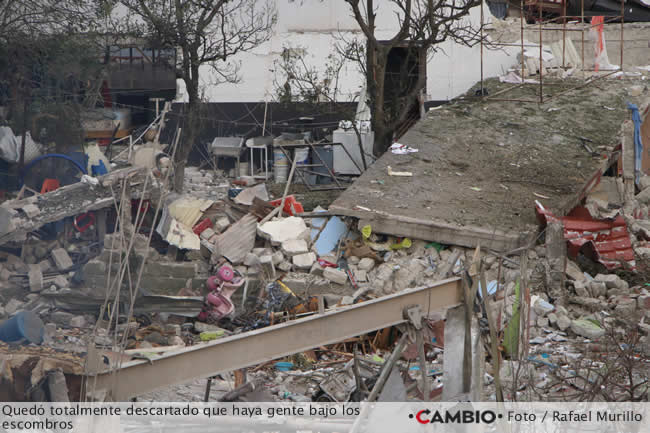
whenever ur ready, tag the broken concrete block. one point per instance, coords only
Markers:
(294, 247)
(353, 260)
(5, 274)
(251, 260)
(625, 305)
(267, 265)
(31, 210)
(61, 259)
(335, 275)
(282, 230)
(643, 302)
(316, 269)
(366, 264)
(612, 281)
(78, 322)
(277, 257)
(35, 278)
(587, 329)
(45, 265)
(284, 266)
(563, 323)
(12, 306)
(7, 224)
(573, 271)
(304, 261)
(552, 318)
(597, 288)
(221, 224)
(581, 288)
(361, 275)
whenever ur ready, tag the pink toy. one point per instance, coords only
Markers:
(222, 286)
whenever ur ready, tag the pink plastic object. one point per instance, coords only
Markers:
(220, 305)
(213, 283)
(226, 273)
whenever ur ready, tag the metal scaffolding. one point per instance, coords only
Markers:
(541, 26)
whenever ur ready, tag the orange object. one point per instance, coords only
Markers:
(291, 205)
(598, 22)
(50, 185)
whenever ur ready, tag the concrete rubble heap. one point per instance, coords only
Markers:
(563, 300)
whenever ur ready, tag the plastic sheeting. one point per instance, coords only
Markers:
(10, 145)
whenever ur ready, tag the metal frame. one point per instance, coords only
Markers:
(250, 348)
(540, 29)
(306, 167)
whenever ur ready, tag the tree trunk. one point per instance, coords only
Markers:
(191, 127)
(383, 140)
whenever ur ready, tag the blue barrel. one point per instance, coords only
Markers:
(24, 325)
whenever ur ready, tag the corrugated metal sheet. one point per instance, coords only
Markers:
(238, 240)
(189, 210)
(177, 234)
(608, 240)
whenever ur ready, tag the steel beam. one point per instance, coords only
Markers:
(139, 377)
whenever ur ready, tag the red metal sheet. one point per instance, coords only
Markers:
(607, 240)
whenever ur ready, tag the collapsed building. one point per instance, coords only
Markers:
(533, 216)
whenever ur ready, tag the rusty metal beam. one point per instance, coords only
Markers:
(139, 377)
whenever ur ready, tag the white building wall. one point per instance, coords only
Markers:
(314, 24)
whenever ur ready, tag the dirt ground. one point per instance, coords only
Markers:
(483, 162)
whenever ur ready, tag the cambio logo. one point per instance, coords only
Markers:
(428, 416)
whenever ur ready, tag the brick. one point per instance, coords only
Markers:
(61, 259)
(304, 261)
(293, 247)
(335, 275)
(35, 278)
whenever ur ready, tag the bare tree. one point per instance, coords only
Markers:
(206, 32)
(30, 18)
(296, 79)
(394, 87)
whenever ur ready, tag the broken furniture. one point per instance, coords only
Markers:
(227, 147)
(303, 169)
(262, 144)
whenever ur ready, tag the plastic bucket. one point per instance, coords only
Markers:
(24, 325)
(280, 166)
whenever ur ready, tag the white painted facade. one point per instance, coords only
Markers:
(314, 25)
